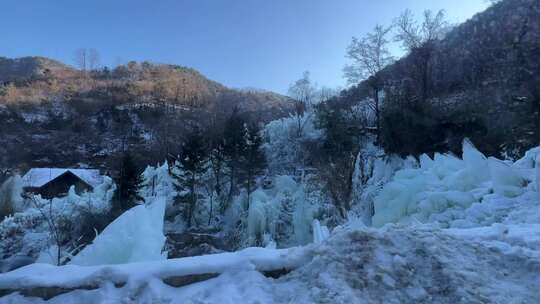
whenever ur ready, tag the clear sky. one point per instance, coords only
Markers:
(241, 43)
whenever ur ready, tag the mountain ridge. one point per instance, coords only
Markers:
(86, 118)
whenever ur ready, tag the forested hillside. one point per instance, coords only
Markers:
(54, 114)
(481, 80)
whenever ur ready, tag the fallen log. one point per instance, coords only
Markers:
(48, 281)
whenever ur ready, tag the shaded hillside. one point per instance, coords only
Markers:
(482, 81)
(28, 68)
(54, 115)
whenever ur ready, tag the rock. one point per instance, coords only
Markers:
(193, 243)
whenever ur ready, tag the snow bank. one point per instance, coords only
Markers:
(451, 191)
(389, 265)
(511, 239)
(135, 236)
(414, 265)
(73, 276)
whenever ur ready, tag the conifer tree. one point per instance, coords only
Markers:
(217, 163)
(253, 161)
(339, 150)
(129, 181)
(192, 164)
(234, 145)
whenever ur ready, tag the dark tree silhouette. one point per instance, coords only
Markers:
(192, 164)
(234, 146)
(128, 184)
(253, 161)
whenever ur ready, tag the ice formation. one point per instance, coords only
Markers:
(267, 208)
(11, 193)
(135, 236)
(320, 233)
(157, 181)
(373, 169)
(506, 180)
(284, 139)
(452, 190)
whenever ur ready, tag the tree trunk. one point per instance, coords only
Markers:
(249, 189)
(377, 113)
(425, 75)
(231, 186)
(193, 200)
(211, 208)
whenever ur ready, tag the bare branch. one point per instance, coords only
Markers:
(369, 54)
(80, 57)
(93, 59)
(414, 36)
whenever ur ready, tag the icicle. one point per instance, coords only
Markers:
(320, 233)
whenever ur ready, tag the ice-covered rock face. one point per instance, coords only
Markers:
(450, 186)
(135, 236)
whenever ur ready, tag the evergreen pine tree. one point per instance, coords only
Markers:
(191, 166)
(129, 181)
(253, 160)
(337, 158)
(234, 145)
(217, 162)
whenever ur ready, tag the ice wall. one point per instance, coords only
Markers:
(449, 184)
(135, 236)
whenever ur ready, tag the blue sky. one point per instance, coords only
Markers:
(241, 43)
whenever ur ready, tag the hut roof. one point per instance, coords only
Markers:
(38, 177)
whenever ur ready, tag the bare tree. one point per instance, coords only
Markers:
(80, 57)
(413, 35)
(325, 93)
(51, 219)
(370, 55)
(93, 59)
(303, 92)
(419, 40)
(86, 60)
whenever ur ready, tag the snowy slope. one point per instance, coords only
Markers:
(392, 265)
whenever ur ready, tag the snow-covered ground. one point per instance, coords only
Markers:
(396, 264)
(446, 230)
